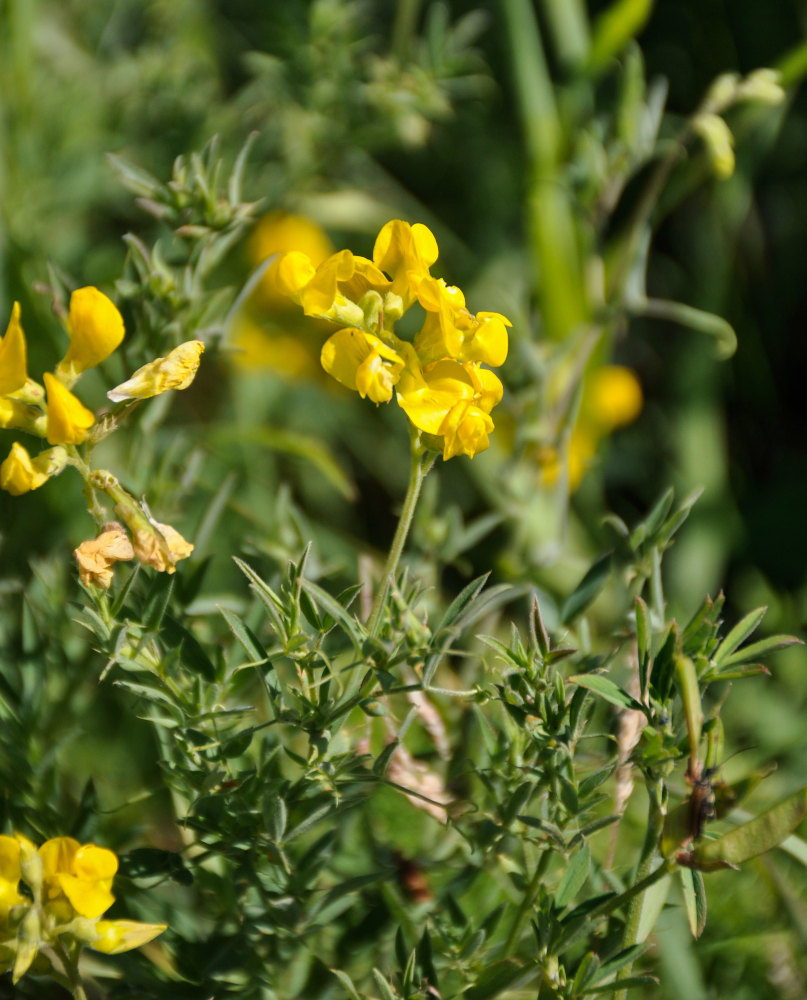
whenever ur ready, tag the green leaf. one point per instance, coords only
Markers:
(619, 961)
(738, 635)
(694, 899)
(347, 982)
(643, 642)
(624, 984)
(350, 626)
(647, 528)
(607, 689)
(461, 602)
(614, 28)
(384, 987)
(245, 636)
(761, 648)
(573, 878)
(498, 977)
(652, 903)
(757, 836)
(588, 588)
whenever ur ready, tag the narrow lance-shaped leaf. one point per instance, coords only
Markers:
(757, 836)
(607, 689)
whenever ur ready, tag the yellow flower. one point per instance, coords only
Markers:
(95, 327)
(406, 253)
(13, 355)
(332, 290)
(115, 936)
(19, 473)
(10, 875)
(280, 232)
(363, 363)
(68, 419)
(97, 556)
(175, 371)
(81, 874)
(612, 397)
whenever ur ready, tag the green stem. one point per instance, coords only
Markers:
(69, 958)
(421, 462)
(403, 28)
(526, 904)
(655, 822)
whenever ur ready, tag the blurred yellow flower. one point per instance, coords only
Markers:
(175, 371)
(611, 398)
(96, 329)
(13, 355)
(68, 419)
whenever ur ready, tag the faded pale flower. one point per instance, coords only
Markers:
(68, 419)
(13, 355)
(19, 473)
(175, 371)
(81, 874)
(96, 556)
(96, 329)
(160, 546)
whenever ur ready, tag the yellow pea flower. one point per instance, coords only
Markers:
(465, 429)
(97, 556)
(115, 936)
(278, 233)
(175, 371)
(363, 363)
(68, 419)
(13, 355)
(81, 874)
(96, 329)
(10, 875)
(19, 473)
(405, 253)
(427, 396)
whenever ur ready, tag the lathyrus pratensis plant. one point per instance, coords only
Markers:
(54, 413)
(66, 889)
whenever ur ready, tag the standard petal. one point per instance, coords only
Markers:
(96, 328)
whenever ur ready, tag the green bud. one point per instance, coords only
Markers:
(29, 938)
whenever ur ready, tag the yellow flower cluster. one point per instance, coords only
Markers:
(69, 887)
(437, 378)
(51, 411)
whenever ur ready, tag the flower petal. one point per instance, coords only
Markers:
(175, 371)
(96, 328)
(68, 418)
(13, 355)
